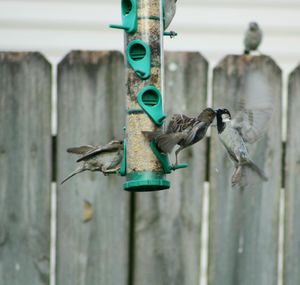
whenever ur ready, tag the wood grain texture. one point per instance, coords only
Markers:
(91, 110)
(244, 223)
(168, 223)
(292, 182)
(25, 168)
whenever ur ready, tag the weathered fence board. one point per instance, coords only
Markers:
(167, 224)
(91, 110)
(292, 184)
(244, 223)
(25, 168)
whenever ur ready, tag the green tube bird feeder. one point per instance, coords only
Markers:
(144, 166)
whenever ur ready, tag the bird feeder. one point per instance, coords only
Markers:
(143, 164)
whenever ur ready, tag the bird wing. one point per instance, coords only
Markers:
(254, 108)
(81, 149)
(100, 149)
(166, 142)
(191, 135)
(178, 123)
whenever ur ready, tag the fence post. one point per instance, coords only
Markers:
(25, 168)
(244, 223)
(167, 224)
(91, 111)
(292, 182)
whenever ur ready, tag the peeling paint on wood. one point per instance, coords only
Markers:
(91, 110)
(25, 163)
(168, 223)
(292, 183)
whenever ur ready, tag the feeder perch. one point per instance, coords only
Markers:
(164, 159)
(129, 16)
(122, 170)
(149, 98)
(139, 57)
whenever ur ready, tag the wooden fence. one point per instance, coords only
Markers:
(139, 238)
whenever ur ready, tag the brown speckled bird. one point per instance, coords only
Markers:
(105, 159)
(182, 130)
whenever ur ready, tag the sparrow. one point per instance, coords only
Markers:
(233, 141)
(253, 38)
(105, 159)
(182, 130)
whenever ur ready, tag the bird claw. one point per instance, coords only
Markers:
(174, 166)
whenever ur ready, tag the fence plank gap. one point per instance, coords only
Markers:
(54, 158)
(168, 223)
(243, 243)
(25, 168)
(91, 110)
(292, 182)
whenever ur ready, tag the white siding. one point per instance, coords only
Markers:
(213, 27)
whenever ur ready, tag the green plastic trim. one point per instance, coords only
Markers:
(171, 34)
(155, 18)
(139, 58)
(129, 16)
(122, 170)
(164, 13)
(164, 159)
(149, 98)
(146, 181)
(135, 111)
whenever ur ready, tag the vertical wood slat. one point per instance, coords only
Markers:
(292, 182)
(25, 168)
(244, 223)
(168, 223)
(91, 110)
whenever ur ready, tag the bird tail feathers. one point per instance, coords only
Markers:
(238, 176)
(76, 171)
(165, 142)
(255, 168)
(151, 135)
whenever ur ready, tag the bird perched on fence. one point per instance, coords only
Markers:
(234, 143)
(182, 130)
(105, 159)
(253, 38)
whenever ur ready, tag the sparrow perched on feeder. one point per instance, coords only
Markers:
(105, 159)
(182, 130)
(234, 143)
(253, 38)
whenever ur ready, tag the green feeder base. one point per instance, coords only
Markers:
(146, 181)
